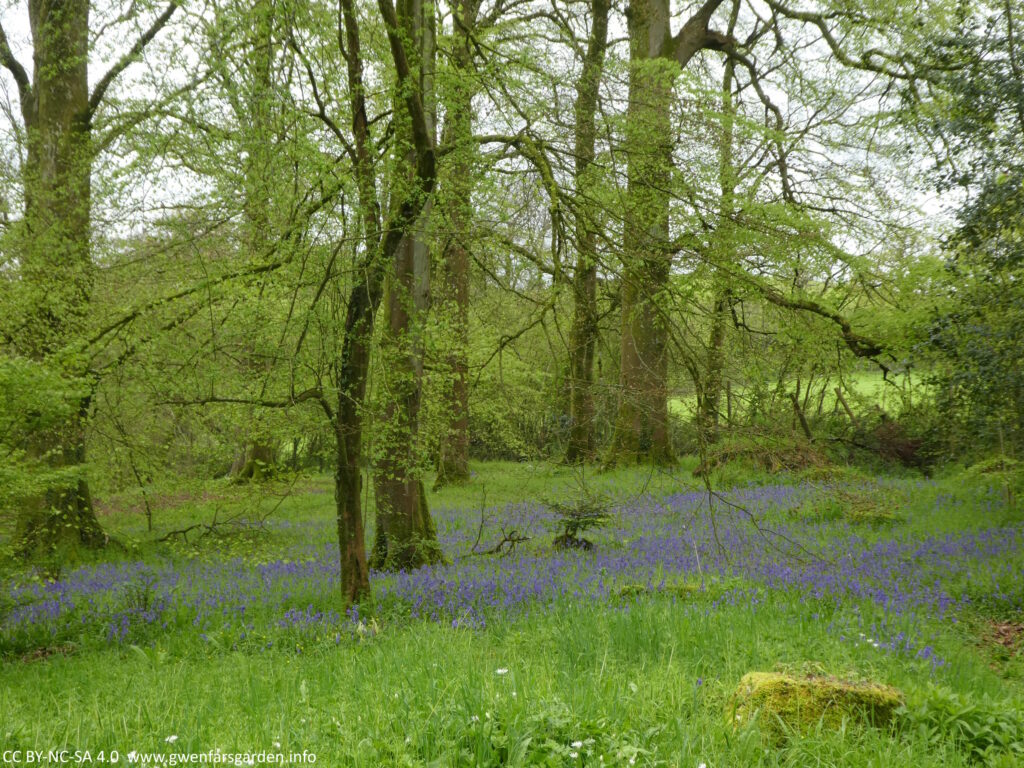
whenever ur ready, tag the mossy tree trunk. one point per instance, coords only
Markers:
(656, 58)
(584, 331)
(455, 204)
(405, 533)
(641, 428)
(710, 405)
(56, 271)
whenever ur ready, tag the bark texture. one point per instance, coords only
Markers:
(405, 532)
(656, 58)
(456, 204)
(584, 331)
(57, 273)
(641, 429)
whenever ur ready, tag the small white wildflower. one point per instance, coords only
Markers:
(171, 739)
(501, 671)
(277, 745)
(632, 761)
(577, 744)
(513, 694)
(703, 765)
(474, 719)
(574, 755)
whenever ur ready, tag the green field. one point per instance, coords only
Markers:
(641, 673)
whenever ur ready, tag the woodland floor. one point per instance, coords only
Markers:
(627, 654)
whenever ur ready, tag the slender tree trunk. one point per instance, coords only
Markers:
(255, 114)
(583, 335)
(456, 211)
(641, 429)
(57, 271)
(711, 402)
(353, 368)
(354, 362)
(405, 532)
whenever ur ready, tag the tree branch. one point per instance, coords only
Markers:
(18, 72)
(129, 58)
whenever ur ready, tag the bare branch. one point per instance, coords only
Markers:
(18, 72)
(129, 58)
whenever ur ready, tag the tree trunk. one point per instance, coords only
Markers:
(457, 212)
(254, 111)
(583, 335)
(256, 462)
(353, 367)
(57, 271)
(405, 532)
(641, 429)
(711, 402)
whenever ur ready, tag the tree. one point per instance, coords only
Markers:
(584, 332)
(977, 117)
(405, 532)
(656, 57)
(456, 211)
(55, 268)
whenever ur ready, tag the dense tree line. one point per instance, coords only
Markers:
(241, 238)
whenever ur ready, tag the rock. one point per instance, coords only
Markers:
(784, 704)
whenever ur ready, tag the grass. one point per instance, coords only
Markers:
(864, 389)
(644, 678)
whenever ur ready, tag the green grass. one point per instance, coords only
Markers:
(644, 681)
(864, 389)
(627, 680)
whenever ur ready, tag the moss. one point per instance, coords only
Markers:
(784, 704)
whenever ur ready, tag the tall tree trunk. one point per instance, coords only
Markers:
(363, 301)
(641, 429)
(405, 532)
(457, 212)
(583, 334)
(254, 111)
(711, 401)
(655, 58)
(57, 271)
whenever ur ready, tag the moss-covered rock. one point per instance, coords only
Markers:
(785, 704)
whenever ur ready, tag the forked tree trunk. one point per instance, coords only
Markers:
(641, 428)
(56, 270)
(583, 335)
(656, 57)
(405, 532)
